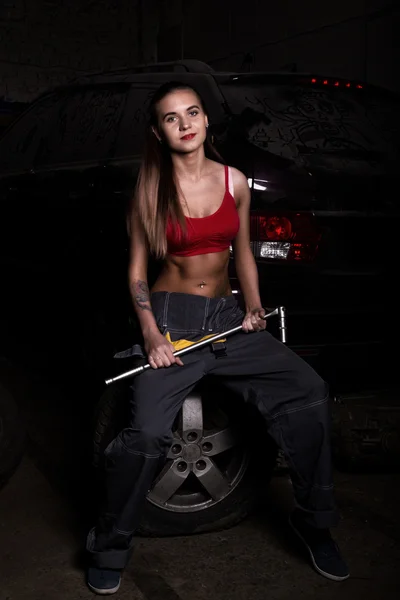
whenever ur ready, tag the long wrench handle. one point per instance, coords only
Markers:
(210, 340)
(282, 323)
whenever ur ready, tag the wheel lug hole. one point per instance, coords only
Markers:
(181, 466)
(192, 436)
(207, 447)
(201, 465)
(176, 449)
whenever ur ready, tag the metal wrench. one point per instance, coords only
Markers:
(280, 311)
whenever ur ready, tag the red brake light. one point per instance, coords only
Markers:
(288, 236)
(275, 228)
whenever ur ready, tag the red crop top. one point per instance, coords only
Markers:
(204, 235)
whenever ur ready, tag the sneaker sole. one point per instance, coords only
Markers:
(102, 591)
(316, 567)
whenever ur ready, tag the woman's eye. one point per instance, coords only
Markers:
(193, 113)
(170, 119)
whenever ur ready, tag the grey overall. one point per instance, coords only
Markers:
(287, 392)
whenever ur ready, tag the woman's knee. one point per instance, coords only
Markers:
(148, 440)
(313, 387)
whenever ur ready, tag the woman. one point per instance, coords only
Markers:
(187, 210)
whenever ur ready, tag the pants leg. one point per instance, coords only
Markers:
(133, 457)
(294, 401)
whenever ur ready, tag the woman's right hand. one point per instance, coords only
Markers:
(160, 352)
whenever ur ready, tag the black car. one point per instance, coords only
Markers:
(321, 156)
(9, 111)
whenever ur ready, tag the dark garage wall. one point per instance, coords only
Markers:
(47, 42)
(347, 38)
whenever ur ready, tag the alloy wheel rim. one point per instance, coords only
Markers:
(205, 462)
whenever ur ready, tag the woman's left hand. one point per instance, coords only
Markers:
(253, 320)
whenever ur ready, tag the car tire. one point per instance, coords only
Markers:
(246, 465)
(12, 436)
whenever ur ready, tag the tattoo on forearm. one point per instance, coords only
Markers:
(140, 294)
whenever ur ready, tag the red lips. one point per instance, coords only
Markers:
(190, 136)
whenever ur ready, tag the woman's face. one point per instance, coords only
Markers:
(181, 121)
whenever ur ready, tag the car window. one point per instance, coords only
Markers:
(77, 126)
(85, 126)
(345, 129)
(132, 128)
(20, 143)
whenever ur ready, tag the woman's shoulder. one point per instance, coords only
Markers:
(239, 178)
(238, 175)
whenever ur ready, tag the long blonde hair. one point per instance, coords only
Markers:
(156, 198)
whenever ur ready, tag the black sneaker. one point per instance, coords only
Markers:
(324, 552)
(104, 581)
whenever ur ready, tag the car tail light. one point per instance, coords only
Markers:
(284, 236)
(336, 82)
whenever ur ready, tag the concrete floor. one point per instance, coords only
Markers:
(41, 543)
(42, 534)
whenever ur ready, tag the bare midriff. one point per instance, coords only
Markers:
(203, 274)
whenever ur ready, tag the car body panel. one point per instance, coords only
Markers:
(67, 172)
